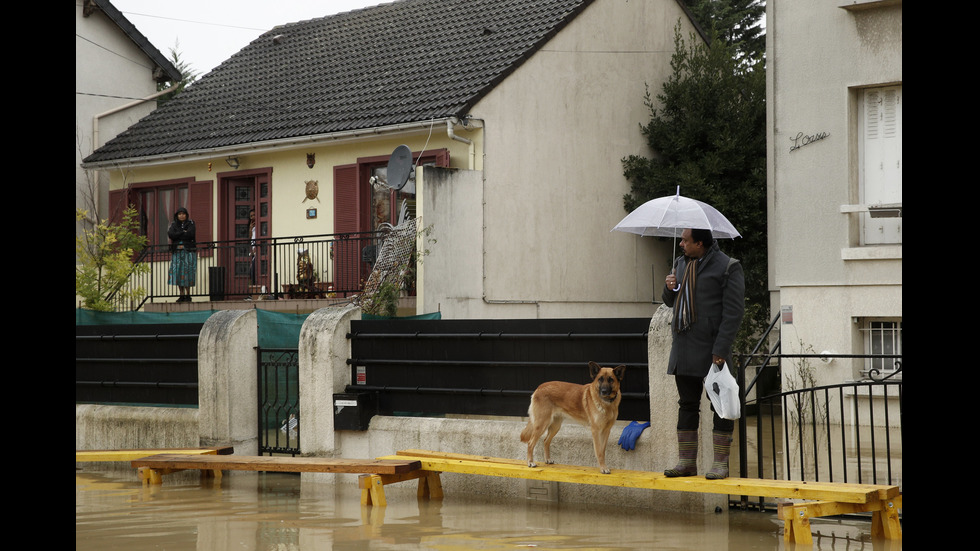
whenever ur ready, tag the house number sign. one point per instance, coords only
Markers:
(802, 139)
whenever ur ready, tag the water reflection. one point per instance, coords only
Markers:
(279, 512)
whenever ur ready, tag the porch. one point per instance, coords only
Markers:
(287, 274)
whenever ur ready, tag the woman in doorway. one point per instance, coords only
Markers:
(183, 247)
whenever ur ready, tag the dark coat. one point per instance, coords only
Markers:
(719, 302)
(184, 233)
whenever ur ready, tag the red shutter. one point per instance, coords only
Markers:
(201, 201)
(117, 205)
(346, 200)
(346, 219)
(199, 195)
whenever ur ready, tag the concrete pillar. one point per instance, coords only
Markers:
(663, 421)
(323, 371)
(228, 381)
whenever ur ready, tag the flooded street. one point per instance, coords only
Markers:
(276, 512)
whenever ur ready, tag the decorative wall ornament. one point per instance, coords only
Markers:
(312, 190)
(802, 139)
(310, 159)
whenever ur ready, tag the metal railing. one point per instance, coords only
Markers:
(845, 432)
(309, 266)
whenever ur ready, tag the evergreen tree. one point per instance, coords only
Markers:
(737, 22)
(188, 76)
(707, 131)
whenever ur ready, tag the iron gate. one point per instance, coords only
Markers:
(278, 384)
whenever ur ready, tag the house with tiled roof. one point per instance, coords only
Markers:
(517, 114)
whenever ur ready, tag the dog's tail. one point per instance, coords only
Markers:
(526, 433)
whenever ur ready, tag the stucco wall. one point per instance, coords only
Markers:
(110, 71)
(557, 130)
(821, 56)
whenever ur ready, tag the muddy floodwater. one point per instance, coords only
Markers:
(278, 512)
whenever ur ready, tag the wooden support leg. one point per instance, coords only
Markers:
(372, 490)
(885, 522)
(797, 524)
(430, 486)
(149, 476)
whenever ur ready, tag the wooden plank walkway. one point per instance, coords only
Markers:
(818, 498)
(152, 468)
(82, 456)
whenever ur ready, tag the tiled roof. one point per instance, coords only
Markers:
(401, 62)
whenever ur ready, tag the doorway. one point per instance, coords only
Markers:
(245, 225)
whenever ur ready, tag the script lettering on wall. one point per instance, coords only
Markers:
(802, 139)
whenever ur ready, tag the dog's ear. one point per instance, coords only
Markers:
(620, 372)
(594, 369)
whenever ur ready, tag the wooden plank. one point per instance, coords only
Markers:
(514, 468)
(277, 464)
(131, 454)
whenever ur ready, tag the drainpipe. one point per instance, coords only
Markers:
(450, 131)
(114, 110)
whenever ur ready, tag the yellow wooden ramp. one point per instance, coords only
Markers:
(817, 498)
(131, 454)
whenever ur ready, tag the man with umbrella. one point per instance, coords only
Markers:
(706, 289)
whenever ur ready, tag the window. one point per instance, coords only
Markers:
(880, 163)
(156, 203)
(882, 337)
(156, 207)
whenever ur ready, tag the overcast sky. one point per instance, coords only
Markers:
(207, 32)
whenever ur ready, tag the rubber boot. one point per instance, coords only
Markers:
(687, 453)
(723, 446)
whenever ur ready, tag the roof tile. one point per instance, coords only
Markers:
(405, 61)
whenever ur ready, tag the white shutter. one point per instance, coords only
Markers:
(881, 178)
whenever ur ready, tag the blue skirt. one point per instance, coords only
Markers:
(183, 268)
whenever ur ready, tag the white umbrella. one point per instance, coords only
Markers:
(671, 215)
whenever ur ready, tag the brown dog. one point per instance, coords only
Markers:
(595, 405)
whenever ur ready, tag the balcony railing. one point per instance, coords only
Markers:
(300, 267)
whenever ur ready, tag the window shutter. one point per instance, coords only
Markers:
(882, 160)
(346, 216)
(117, 205)
(201, 201)
(346, 219)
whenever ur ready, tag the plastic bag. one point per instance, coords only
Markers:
(722, 389)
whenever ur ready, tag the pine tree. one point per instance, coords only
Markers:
(708, 135)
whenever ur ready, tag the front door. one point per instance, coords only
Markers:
(245, 223)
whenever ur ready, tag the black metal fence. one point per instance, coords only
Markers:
(137, 364)
(491, 367)
(309, 266)
(846, 432)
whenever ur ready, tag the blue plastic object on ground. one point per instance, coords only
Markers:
(632, 431)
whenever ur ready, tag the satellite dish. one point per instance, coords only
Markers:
(399, 167)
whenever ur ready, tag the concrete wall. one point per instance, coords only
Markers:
(227, 415)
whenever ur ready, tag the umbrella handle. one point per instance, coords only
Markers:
(678, 283)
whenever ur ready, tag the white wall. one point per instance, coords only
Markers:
(820, 56)
(556, 132)
(110, 71)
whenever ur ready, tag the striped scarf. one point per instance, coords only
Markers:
(684, 314)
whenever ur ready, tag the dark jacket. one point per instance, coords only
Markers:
(719, 302)
(183, 233)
